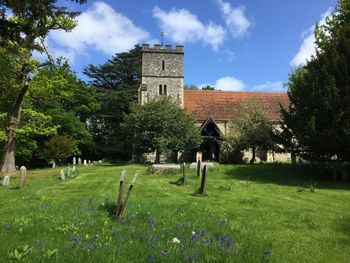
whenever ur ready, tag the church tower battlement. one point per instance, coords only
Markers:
(162, 73)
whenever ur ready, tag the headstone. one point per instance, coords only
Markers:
(120, 194)
(6, 181)
(203, 181)
(22, 176)
(79, 161)
(100, 161)
(74, 168)
(183, 173)
(74, 160)
(53, 164)
(89, 162)
(62, 176)
(85, 163)
(68, 171)
(198, 168)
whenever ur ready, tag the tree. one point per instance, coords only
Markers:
(116, 83)
(317, 122)
(24, 24)
(251, 129)
(59, 148)
(208, 87)
(161, 126)
(191, 87)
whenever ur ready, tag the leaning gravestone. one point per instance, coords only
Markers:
(79, 161)
(6, 181)
(74, 160)
(22, 176)
(62, 176)
(53, 164)
(85, 163)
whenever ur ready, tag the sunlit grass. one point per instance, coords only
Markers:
(253, 213)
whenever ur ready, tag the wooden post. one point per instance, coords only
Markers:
(120, 194)
(22, 176)
(128, 195)
(198, 168)
(203, 181)
(183, 173)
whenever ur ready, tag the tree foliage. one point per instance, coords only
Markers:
(161, 126)
(59, 148)
(317, 123)
(24, 25)
(116, 83)
(249, 130)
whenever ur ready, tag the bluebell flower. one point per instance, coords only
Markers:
(226, 241)
(164, 253)
(194, 236)
(150, 258)
(151, 223)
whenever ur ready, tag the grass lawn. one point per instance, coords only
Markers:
(259, 213)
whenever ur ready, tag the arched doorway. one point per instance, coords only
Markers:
(210, 147)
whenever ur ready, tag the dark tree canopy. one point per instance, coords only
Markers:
(116, 83)
(161, 126)
(317, 123)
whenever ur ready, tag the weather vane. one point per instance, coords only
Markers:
(162, 37)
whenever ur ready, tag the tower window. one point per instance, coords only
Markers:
(160, 90)
(163, 64)
(165, 90)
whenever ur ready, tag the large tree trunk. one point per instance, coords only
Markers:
(8, 164)
(157, 156)
(253, 155)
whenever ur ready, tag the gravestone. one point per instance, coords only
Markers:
(79, 161)
(85, 163)
(6, 181)
(74, 160)
(22, 176)
(53, 164)
(74, 168)
(68, 171)
(89, 162)
(62, 176)
(203, 181)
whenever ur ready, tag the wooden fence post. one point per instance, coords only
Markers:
(128, 195)
(203, 181)
(183, 173)
(198, 168)
(120, 194)
(22, 176)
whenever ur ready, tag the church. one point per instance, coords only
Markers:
(163, 75)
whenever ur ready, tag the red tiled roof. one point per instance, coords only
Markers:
(220, 104)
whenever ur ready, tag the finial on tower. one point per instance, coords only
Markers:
(162, 38)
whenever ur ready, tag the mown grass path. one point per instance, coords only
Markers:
(259, 213)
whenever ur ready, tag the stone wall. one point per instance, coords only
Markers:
(162, 66)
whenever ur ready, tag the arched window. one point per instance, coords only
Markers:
(163, 64)
(165, 90)
(160, 90)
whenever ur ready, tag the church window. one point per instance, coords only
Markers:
(163, 64)
(165, 90)
(160, 90)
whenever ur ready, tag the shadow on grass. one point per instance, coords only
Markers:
(284, 174)
(179, 182)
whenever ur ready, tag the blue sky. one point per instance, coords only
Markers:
(233, 45)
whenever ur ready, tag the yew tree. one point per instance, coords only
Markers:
(24, 25)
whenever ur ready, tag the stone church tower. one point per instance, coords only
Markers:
(162, 73)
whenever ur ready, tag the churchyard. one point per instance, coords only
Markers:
(250, 213)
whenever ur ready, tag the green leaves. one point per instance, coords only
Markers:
(316, 123)
(161, 125)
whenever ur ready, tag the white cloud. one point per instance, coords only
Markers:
(100, 28)
(235, 18)
(229, 83)
(308, 47)
(182, 26)
(270, 87)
